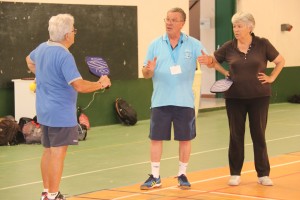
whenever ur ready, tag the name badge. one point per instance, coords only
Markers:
(176, 69)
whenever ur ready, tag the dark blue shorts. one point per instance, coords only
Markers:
(182, 118)
(59, 136)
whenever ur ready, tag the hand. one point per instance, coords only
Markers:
(227, 74)
(205, 59)
(104, 81)
(263, 78)
(151, 65)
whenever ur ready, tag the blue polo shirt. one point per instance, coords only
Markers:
(55, 98)
(174, 88)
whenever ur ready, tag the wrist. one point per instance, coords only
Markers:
(101, 85)
(212, 61)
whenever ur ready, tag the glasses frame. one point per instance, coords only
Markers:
(172, 21)
(74, 31)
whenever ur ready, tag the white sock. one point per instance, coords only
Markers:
(45, 190)
(182, 168)
(51, 196)
(155, 169)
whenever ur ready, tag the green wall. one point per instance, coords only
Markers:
(286, 84)
(6, 102)
(224, 12)
(101, 111)
(138, 93)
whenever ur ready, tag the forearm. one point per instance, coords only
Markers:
(277, 69)
(84, 86)
(30, 64)
(220, 69)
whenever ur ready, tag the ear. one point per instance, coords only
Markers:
(67, 36)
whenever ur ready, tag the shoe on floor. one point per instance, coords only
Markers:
(59, 196)
(183, 182)
(265, 180)
(234, 180)
(151, 183)
(43, 195)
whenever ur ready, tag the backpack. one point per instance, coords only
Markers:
(125, 112)
(8, 132)
(83, 118)
(82, 132)
(32, 131)
(294, 99)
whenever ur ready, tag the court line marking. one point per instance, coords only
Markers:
(207, 180)
(134, 164)
(239, 195)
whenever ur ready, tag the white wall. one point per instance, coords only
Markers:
(269, 15)
(150, 17)
(207, 37)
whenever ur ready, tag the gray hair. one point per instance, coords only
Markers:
(179, 10)
(59, 25)
(246, 18)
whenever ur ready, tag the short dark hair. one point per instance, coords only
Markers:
(179, 10)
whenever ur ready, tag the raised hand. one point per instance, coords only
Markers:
(148, 70)
(151, 64)
(205, 59)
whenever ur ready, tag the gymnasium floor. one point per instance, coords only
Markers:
(114, 161)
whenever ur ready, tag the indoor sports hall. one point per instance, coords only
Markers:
(114, 160)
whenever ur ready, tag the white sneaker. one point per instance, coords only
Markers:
(234, 180)
(265, 180)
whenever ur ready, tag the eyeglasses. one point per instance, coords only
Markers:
(171, 21)
(75, 31)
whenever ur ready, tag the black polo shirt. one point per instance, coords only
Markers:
(244, 68)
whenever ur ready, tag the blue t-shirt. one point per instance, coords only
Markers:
(174, 72)
(55, 98)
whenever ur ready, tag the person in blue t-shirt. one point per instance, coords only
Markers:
(171, 62)
(58, 83)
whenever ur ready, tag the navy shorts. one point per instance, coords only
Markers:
(59, 136)
(182, 118)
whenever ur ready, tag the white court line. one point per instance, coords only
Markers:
(243, 196)
(134, 164)
(207, 180)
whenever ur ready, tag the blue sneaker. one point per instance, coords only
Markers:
(183, 182)
(151, 183)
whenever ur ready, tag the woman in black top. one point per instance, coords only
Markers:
(247, 56)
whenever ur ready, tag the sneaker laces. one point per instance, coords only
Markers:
(59, 196)
(182, 177)
(151, 177)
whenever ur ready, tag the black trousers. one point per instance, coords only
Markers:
(257, 110)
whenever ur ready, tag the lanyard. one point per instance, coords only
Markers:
(175, 52)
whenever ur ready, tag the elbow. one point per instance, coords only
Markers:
(78, 86)
(283, 61)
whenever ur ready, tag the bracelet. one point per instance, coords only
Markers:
(101, 85)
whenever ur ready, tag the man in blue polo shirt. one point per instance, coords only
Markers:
(171, 63)
(58, 82)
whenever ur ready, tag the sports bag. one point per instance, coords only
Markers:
(125, 112)
(83, 118)
(82, 132)
(8, 132)
(32, 132)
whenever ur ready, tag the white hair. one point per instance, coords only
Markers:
(246, 18)
(59, 25)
